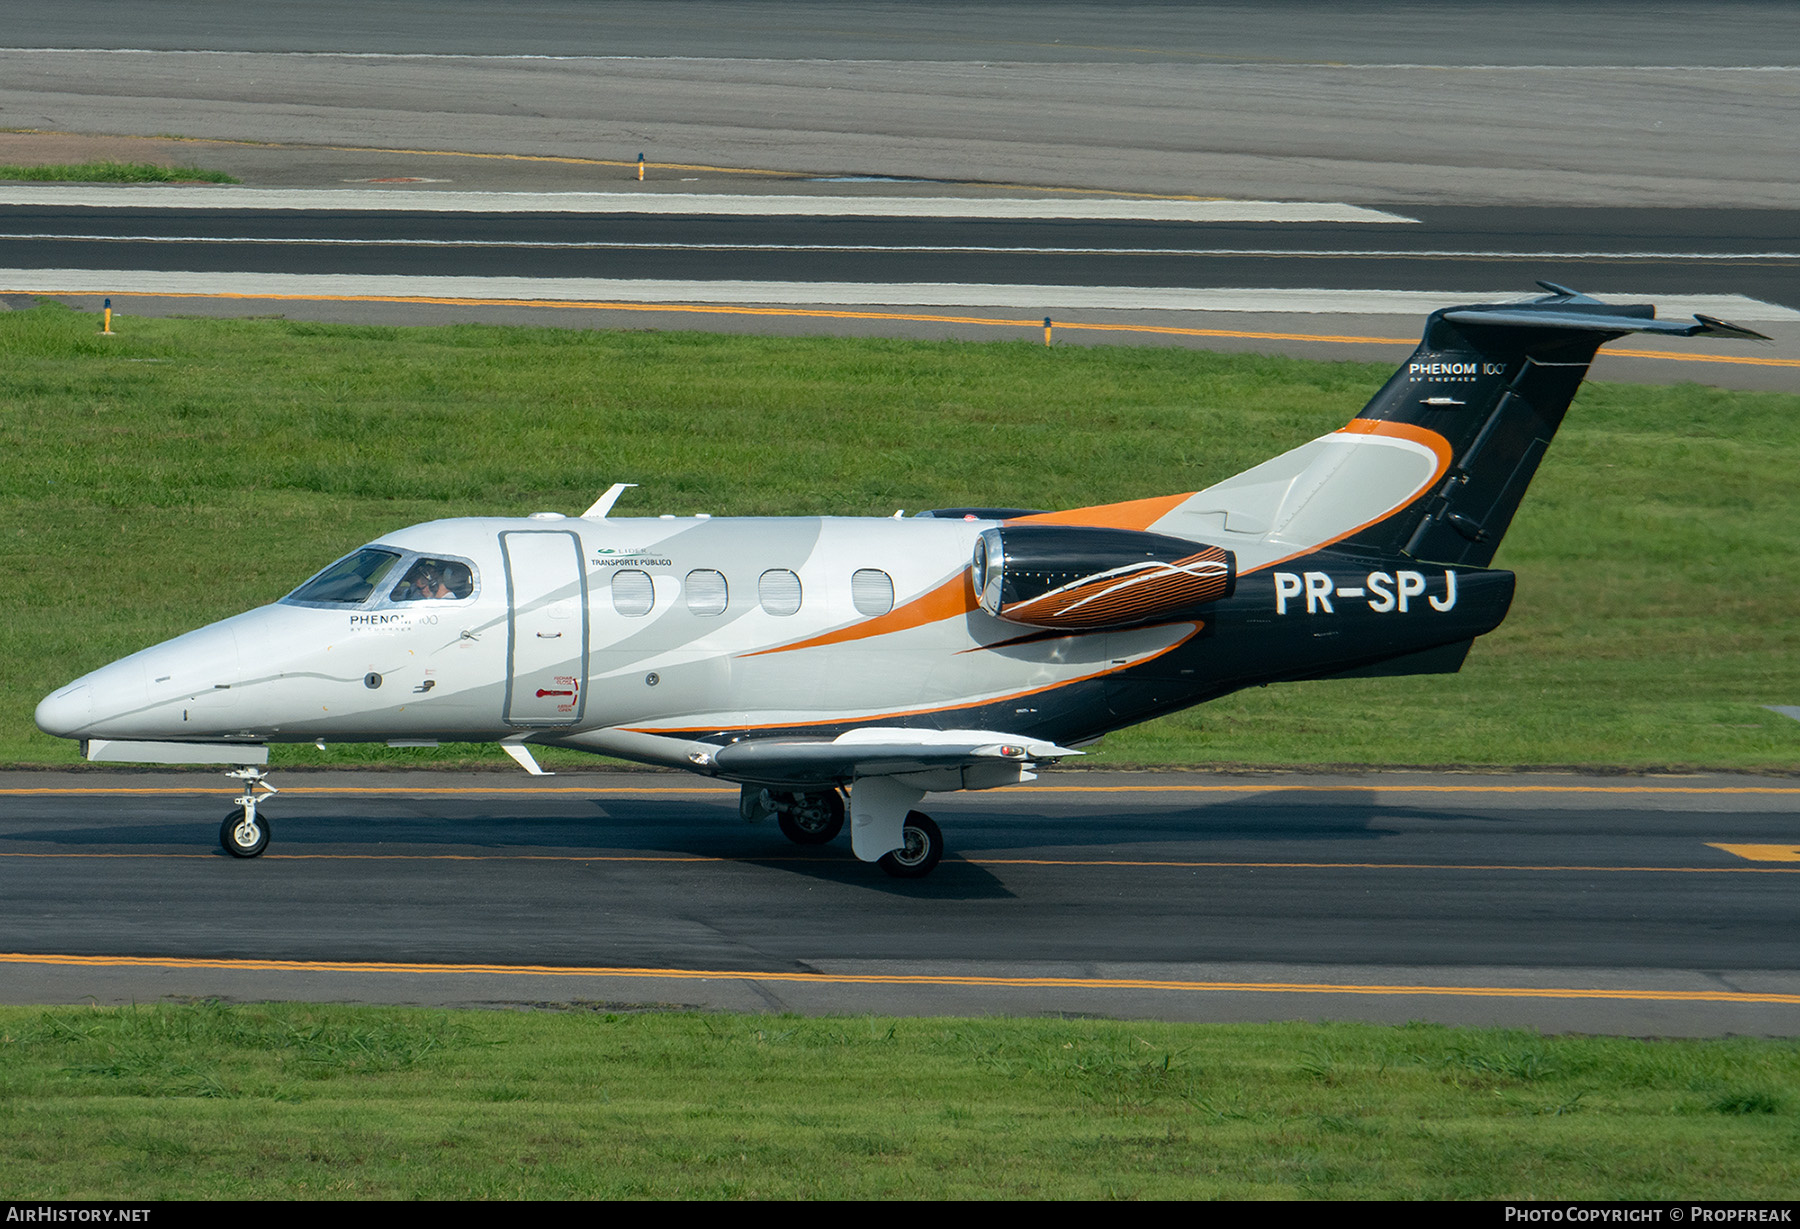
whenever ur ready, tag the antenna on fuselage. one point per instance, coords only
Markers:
(604, 504)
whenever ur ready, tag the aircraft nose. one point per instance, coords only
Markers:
(66, 712)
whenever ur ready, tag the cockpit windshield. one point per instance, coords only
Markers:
(350, 580)
(434, 578)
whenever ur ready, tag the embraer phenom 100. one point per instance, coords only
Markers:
(890, 658)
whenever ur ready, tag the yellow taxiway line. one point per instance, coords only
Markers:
(1761, 853)
(902, 979)
(716, 309)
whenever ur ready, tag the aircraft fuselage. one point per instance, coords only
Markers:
(644, 637)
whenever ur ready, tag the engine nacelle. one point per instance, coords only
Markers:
(1081, 577)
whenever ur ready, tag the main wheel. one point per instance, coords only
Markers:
(814, 819)
(244, 837)
(923, 850)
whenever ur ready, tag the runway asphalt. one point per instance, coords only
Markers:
(1601, 251)
(1506, 102)
(1634, 149)
(1614, 904)
(1104, 269)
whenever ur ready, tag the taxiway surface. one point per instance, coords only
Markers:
(1645, 905)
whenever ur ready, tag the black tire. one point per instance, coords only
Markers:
(245, 839)
(923, 850)
(817, 819)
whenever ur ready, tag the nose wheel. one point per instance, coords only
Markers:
(245, 834)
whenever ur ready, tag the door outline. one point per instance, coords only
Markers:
(579, 576)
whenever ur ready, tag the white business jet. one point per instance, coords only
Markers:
(891, 658)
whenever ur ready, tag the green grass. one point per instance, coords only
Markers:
(291, 1101)
(189, 469)
(113, 172)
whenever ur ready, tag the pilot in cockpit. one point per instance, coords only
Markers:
(433, 578)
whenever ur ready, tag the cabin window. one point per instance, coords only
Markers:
(434, 578)
(872, 591)
(779, 591)
(632, 592)
(350, 580)
(706, 591)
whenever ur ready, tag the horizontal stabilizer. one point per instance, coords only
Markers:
(1715, 327)
(1538, 317)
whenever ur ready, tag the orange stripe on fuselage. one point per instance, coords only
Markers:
(956, 596)
(1133, 514)
(953, 598)
(955, 706)
(1404, 431)
(1440, 448)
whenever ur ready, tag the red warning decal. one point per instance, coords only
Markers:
(566, 686)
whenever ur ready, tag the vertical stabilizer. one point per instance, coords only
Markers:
(1435, 465)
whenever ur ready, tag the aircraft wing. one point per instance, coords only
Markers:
(880, 751)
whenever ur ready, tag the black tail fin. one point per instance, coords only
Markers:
(1494, 381)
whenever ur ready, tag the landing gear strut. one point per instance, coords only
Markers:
(245, 834)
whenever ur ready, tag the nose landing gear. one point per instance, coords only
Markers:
(244, 834)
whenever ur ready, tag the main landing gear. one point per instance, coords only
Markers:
(805, 819)
(923, 850)
(817, 818)
(245, 834)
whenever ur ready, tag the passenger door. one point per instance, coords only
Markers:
(547, 639)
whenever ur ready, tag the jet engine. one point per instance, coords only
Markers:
(1080, 577)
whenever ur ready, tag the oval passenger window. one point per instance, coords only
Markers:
(779, 591)
(706, 591)
(872, 591)
(632, 592)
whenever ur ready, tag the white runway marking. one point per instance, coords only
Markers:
(1033, 298)
(1111, 209)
